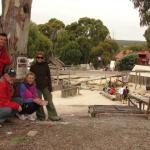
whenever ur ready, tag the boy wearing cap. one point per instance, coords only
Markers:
(8, 108)
(4, 57)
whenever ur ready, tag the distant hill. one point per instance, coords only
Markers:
(125, 43)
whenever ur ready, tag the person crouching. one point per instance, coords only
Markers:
(8, 108)
(31, 100)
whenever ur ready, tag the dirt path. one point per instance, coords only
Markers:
(79, 104)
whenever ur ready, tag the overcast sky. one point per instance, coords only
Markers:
(119, 16)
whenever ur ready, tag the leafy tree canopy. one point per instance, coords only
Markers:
(71, 54)
(50, 28)
(147, 36)
(92, 29)
(144, 10)
(105, 50)
(85, 48)
(37, 41)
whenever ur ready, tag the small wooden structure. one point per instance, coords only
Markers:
(136, 106)
(140, 75)
(70, 91)
(98, 110)
(139, 102)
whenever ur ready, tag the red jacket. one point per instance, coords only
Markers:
(6, 94)
(4, 59)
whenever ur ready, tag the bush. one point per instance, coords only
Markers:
(127, 62)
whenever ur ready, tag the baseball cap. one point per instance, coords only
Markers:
(11, 72)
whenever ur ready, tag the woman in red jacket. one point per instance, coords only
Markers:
(8, 108)
(4, 57)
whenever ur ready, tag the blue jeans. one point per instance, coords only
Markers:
(7, 112)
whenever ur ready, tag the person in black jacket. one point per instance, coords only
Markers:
(44, 86)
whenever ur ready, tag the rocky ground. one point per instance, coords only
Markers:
(78, 131)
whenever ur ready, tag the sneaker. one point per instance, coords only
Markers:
(21, 116)
(31, 117)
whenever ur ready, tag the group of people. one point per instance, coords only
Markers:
(25, 98)
(122, 92)
(109, 88)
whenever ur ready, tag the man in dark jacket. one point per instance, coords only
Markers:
(44, 86)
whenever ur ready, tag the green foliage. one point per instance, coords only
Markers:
(63, 37)
(124, 44)
(37, 41)
(50, 28)
(71, 54)
(79, 42)
(137, 47)
(144, 10)
(105, 50)
(147, 36)
(92, 29)
(85, 48)
(18, 140)
(127, 63)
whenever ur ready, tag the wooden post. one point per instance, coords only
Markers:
(69, 77)
(57, 70)
(140, 79)
(136, 81)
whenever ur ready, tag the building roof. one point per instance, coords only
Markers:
(141, 68)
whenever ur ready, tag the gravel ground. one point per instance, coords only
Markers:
(78, 131)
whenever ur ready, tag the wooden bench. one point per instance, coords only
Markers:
(139, 101)
(114, 110)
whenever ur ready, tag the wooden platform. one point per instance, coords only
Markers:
(139, 101)
(98, 110)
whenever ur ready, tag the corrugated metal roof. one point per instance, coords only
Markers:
(141, 68)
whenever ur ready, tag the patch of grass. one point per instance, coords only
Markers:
(18, 140)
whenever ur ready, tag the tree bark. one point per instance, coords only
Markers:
(15, 22)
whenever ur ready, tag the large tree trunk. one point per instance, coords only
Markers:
(15, 22)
